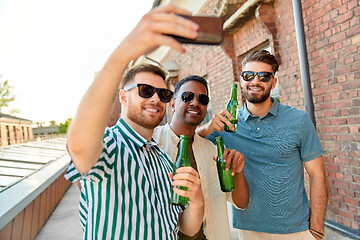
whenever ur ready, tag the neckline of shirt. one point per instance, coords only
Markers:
(129, 132)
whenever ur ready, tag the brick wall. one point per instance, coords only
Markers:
(252, 34)
(333, 43)
(333, 40)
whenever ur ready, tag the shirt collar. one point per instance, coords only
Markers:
(275, 107)
(138, 140)
(174, 138)
(273, 110)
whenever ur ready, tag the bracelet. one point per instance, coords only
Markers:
(318, 234)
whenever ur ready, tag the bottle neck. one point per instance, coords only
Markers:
(233, 95)
(220, 148)
(183, 149)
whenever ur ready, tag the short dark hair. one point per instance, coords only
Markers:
(191, 78)
(144, 67)
(262, 56)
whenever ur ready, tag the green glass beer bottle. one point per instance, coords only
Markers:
(182, 160)
(226, 179)
(233, 108)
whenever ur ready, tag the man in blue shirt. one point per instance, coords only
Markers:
(278, 141)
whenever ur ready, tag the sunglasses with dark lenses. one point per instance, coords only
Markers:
(147, 91)
(250, 75)
(189, 96)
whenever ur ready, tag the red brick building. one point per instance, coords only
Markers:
(14, 130)
(333, 44)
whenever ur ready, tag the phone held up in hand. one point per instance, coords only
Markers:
(210, 30)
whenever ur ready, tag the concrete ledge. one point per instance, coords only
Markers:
(14, 199)
(344, 230)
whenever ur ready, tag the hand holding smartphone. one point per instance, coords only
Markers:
(210, 31)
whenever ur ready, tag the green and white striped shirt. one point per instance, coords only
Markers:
(126, 195)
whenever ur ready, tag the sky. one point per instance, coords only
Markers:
(50, 50)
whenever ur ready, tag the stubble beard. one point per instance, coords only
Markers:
(139, 116)
(256, 98)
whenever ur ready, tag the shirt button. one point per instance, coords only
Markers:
(258, 129)
(258, 120)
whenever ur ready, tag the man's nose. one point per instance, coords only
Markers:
(256, 79)
(155, 97)
(195, 101)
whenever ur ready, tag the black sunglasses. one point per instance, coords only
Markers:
(203, 99)
(147, 91)
(250, 75)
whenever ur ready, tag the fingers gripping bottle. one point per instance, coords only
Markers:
(226, 179)
(233, 108)
(182, 160)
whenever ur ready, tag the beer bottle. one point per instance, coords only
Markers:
(233, 108)
(182, 160)
(226, 179)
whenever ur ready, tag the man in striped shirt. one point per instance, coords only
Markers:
(124, 174)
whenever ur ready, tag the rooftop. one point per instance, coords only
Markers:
(17, 162)
(13, 117)
(26, 170)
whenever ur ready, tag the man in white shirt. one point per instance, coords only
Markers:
(189, 105)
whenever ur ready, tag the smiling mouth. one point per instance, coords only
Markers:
(255, 89)
(151, 109)
(193, 112)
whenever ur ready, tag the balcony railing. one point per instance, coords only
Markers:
(31, 185)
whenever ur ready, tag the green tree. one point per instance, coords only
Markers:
(64, 126)
(5, 94)
(39, 124)
(52, 123)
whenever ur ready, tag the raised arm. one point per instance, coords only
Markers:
(87, 128)
(217, 123)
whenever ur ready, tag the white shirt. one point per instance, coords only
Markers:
(216, 223)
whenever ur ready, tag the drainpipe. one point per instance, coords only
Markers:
(304, 64)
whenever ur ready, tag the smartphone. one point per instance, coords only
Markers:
(210, 30)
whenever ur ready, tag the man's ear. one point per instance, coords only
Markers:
(172, 104)
(274, 83)
(122, 97)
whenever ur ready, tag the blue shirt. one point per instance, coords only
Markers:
(275, 147)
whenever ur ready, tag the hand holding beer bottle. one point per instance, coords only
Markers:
(181, 161)
(226, 179)
(233, 108)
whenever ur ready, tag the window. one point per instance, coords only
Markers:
(209, 112)
(275, 92)
(8, 135)
(15, 137)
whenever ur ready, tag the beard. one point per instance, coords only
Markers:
(147, 120)
(256, 97)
